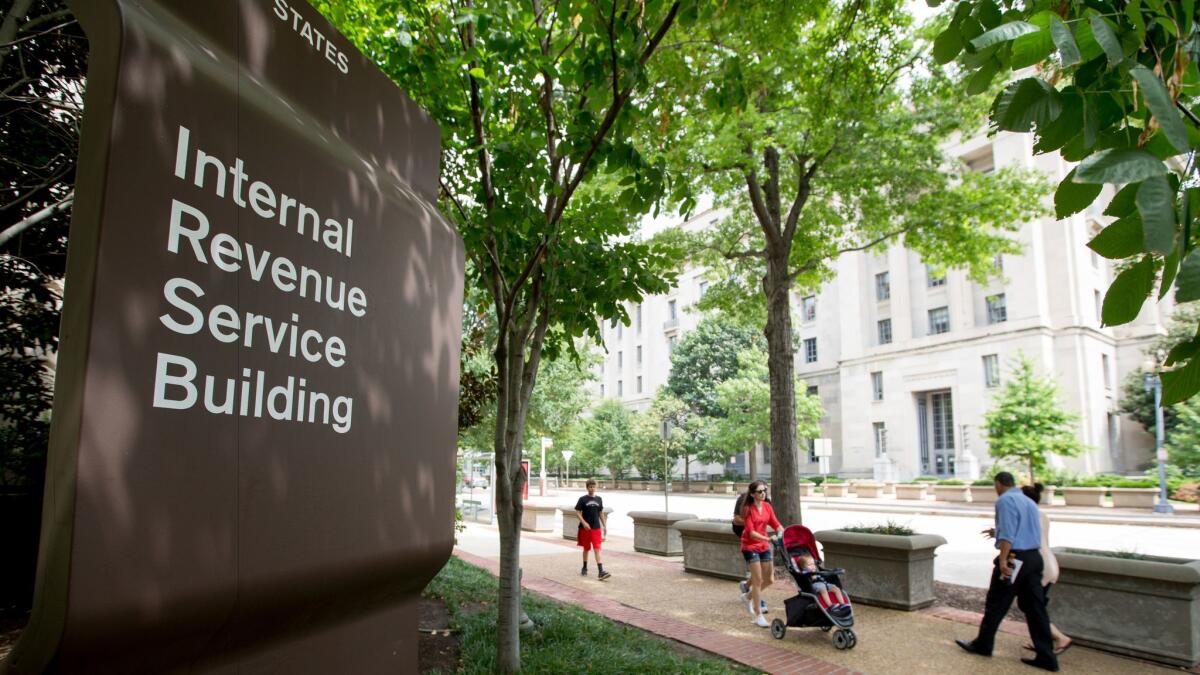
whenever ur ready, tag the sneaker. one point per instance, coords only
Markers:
(604, 575)
(762, 604)
(761, 621)
(744, 588)
(745, 596)
(750, 606)
(583, 572)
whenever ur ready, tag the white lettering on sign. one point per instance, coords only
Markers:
(195, 242)
(315, 39)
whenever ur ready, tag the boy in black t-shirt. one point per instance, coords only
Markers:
(593, 527)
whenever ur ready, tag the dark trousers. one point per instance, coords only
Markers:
(1027, 589)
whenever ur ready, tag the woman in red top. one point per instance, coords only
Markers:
(756, 546)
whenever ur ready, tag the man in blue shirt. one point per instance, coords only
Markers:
(1018, 535)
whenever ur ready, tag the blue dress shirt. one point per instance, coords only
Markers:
(1017, 521)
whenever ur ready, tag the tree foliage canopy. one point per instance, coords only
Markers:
(1028, 423)
(746, 400)
(705, 357)
(1115, 89)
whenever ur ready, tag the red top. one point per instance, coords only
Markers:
(757, 521)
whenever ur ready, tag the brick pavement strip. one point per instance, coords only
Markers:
(769, 659)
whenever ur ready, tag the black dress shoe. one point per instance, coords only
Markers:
(969, 646)
(1038, 663)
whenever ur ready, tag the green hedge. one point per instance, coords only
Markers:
(951, 481)
(924, 479)
(984, 481)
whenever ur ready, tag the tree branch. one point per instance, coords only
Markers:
(29, 221)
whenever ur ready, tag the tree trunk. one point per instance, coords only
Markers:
(785, 495)
(1031, 478)
(516, 376)
(687, 472)
(753, 457)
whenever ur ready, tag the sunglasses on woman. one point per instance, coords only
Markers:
(762, 491)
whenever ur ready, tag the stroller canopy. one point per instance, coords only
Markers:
(795, 536)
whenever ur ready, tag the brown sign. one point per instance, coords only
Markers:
(255, 416)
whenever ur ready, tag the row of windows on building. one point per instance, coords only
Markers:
(991, 376)
(939, 322)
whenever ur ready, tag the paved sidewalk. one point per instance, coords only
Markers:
(656, 595)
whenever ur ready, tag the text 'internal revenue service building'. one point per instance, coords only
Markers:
(255, 418)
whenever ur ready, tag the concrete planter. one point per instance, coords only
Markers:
(835, 489)
(1084, 496)
(1048, 495)
(852, 487)
(882, 569)
(698, 487)
(889, 487)
(654, 532)
(1157, 600)
(725, 488)
(910, 491)
(1134, 498)
(952, 493)
(570, 524)
(710, 547)
(806, 489)
(538, 518)
(869, 490)
(983, 494)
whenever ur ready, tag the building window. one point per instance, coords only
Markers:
(983, 162)
(703, 288)
(812, 450)
(939, 320)
(997, 309)
(1099, 300)
(883, 286)
(671, 342)
(620, 360)
(620, 330)
(810, 308)
(1106, 370)
(880, 433)
(877, 386)
(991, 370)
(639, 384)
(934, 278)
(620, 388)
(810, 350)
(638, 319)
(639, 356)
(885, 331)
(813, 390)
(671, 310)
(998, 263)
(602, 390)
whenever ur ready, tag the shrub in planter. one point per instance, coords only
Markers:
(836, 488)
(1084, 496)
(1134, 494)
(951, 491)
(1187, 492)
(869, 489)
(924, 479)
(892, 565)
(983, 491)
(1157, 598)
(911, 490)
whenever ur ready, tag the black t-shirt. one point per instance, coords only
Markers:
(591, 507)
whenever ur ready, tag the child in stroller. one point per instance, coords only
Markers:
(820, 600)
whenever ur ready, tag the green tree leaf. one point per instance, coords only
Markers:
(1124, 202)
(1032, 48)
(1108, 41)
(1025, 103)
(1068, 51)
(1156, 204)
(1188, 282)
(1121, 239)
(1181, 383)
(1128, 293)
(947, 45)
(1119, 165)
(1169, 271)
(1003, 33)
(1071, 197)
(1162, 107)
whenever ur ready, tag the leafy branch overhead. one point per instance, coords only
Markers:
(1115, 88)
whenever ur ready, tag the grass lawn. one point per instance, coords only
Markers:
(566, 639)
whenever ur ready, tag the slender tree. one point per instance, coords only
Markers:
(1028, 423)
(820, 125)
(541, 173)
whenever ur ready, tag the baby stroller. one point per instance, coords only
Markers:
(805, 609)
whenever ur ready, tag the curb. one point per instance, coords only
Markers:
(761, 657)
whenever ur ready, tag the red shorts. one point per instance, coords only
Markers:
(590, 539)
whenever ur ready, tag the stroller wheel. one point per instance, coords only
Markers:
(842, 639)
(778, 629)
(853, 638)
